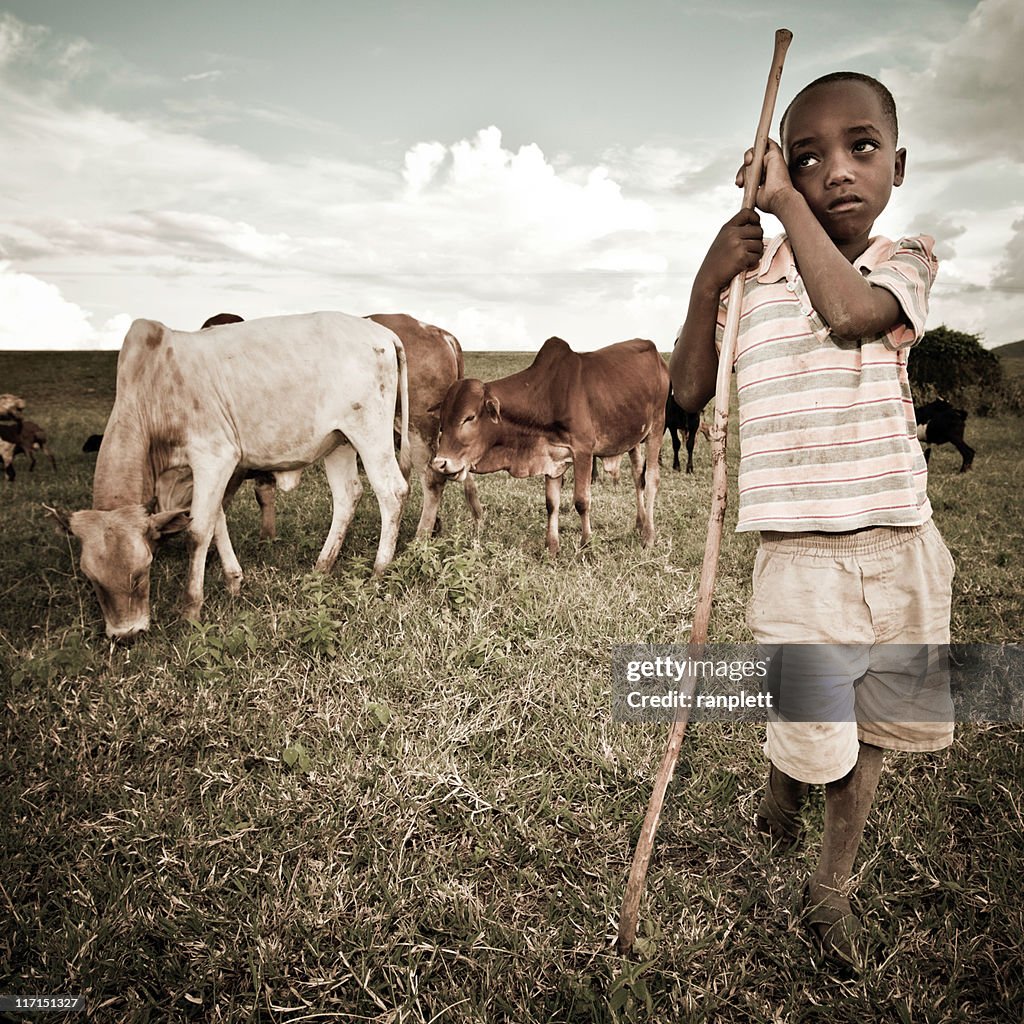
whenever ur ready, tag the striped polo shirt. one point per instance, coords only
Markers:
(828, 439)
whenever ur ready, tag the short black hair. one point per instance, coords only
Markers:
(883, 94)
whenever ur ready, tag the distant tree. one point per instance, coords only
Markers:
(954, 365)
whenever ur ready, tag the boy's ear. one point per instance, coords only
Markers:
(900, 170)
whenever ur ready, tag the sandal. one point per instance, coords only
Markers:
(836, 927)
(781, 824)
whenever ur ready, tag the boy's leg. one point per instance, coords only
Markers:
(778, 815)
(847, 803)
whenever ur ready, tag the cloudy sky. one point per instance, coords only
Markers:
(508, 171)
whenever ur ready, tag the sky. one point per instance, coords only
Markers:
(506, 171)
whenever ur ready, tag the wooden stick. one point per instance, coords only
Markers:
(719, 498)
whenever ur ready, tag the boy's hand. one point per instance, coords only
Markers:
(775, 180)
(736, 248)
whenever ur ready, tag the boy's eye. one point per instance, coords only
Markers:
(803, 161)
(865, 146)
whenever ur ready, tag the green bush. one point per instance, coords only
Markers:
(954, 365)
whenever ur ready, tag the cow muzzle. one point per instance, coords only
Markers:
(449, 468)
(125, 635)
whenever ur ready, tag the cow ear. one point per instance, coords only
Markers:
(493, 408)
(60, 517)
(163, 524)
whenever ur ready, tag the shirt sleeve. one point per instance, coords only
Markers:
(908, 274)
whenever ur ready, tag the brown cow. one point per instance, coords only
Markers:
(434, 358)
(562, 410)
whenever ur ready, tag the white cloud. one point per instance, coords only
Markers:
(203, 76)
(36, 316)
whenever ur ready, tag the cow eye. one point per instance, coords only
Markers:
(469, 419)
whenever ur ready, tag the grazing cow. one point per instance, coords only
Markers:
(22, 436)
(678, 419)
(939, 423)
(435, 362)
(276, 394)
(565, 408)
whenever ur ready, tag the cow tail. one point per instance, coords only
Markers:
(404, 450)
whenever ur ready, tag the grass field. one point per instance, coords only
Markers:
(406, 801)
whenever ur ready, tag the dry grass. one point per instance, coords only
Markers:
(406, 801)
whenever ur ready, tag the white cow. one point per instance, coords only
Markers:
(275, 394)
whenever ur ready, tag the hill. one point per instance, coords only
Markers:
(1014, 350)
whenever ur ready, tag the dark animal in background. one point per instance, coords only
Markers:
(689, 423)
(222, 318)
(92, 443)
(22, 436)
(939, 423)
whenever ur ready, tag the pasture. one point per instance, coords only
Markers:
(405, 800)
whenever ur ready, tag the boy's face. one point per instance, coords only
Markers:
(843, 159)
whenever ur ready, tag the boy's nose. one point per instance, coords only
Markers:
(838, 171)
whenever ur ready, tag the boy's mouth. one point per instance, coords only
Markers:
(844, 203)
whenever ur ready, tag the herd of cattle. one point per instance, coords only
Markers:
(197, 413)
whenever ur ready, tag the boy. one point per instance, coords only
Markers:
(831, 473)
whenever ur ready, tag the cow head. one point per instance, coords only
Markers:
(469, 416)
(117, 551)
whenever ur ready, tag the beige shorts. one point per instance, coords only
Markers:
(871, 589)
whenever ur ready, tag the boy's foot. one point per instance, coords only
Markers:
(778, 815)
(837, 928)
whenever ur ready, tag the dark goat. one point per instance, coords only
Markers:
(678, 419)
(939, 423)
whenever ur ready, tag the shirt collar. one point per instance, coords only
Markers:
(777, 263)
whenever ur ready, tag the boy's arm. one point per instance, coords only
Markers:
(693, 365)
(851, 306)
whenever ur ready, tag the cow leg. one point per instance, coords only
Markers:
(346, 488)
(636, 463)
(966, 453)
(391, 489)
(473, 501)
(581, 495)
(651, 477)
(676, 445)
(691, 436)
(265, 490)
(209, 483)
(927, 454)
(432, 484)
(552, 496)
(229, 563)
